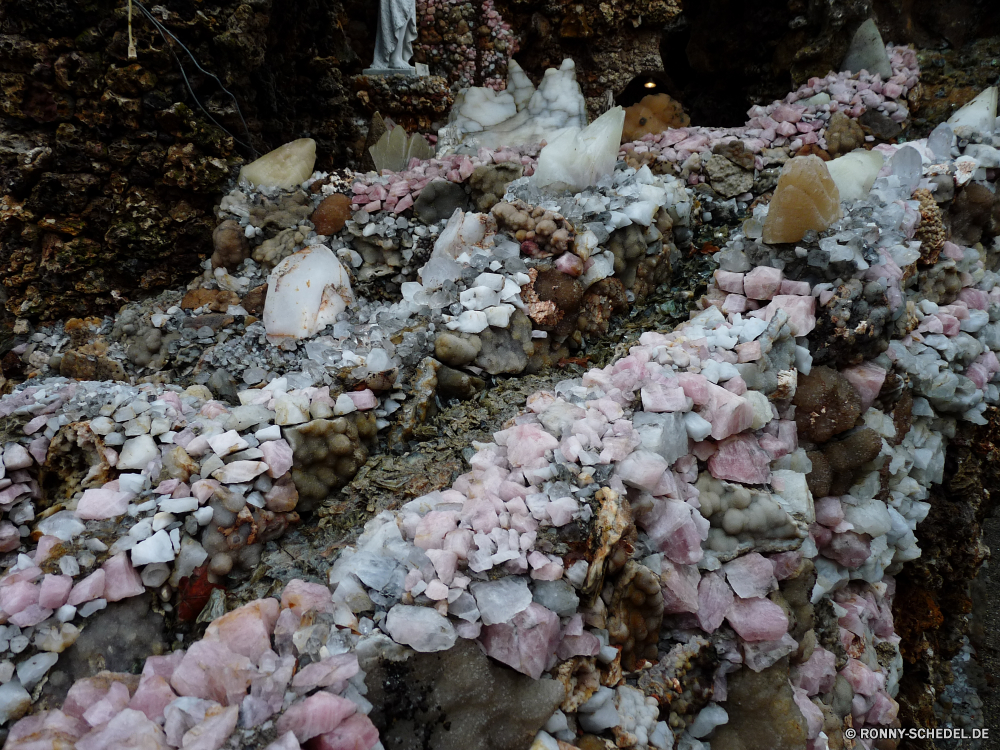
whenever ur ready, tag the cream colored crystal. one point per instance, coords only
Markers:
(806, 198)
(286, 167)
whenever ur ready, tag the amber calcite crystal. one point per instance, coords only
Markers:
(805, 198)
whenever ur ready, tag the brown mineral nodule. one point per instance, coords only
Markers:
(654, 114)
(826, 404)
(231, 246)
(218, 300)
(843, 135)
(331, 215)
(805, 198)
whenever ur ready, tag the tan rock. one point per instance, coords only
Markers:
(286, 167)
(806, 198)
(218, 300)
(231, 246)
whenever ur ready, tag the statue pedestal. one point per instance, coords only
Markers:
(420, 70)
(416, 102)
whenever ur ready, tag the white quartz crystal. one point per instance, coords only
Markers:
(305, 293)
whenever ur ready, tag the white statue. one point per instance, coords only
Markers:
(397, 30)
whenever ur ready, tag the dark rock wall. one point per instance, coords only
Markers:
(109, 169)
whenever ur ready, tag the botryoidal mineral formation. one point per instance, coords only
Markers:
(694, 546)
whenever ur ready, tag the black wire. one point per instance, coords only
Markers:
(165, 31)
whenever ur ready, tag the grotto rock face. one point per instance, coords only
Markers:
(109, 171)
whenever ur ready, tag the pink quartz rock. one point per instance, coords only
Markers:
(673, 528)
(203, 489)
(213, 732)
(277, 456)
(786, 564)
(810, 712)
(800, 288)
(246, 630)
(751, 575)
(741, 459)
(526, 642)
(333, 671)
(46, 544)
(867, 380)
(129, 730)
(762, 282)
(39, 449)
(729, 414)
(31, 615)
(91, 587)
(817, 674)
(729, 281)
(445, 564)
(105, 709)
(749, 351)
(734, 303)
(801, 312)
(848, 548)
(829, 511)
(680, 587)
(121, 579)
(317, 714)
(54, 591)
(861, 678)
(657, 397)
(569, 264)
(18, 596)
(99, 504)
(16, 456)
(10, 537)
(355, 733)
(45, 730)
(152, 696)
(643, 470)
(86, 692)
(433, 527)
(211, 671)
(301, 597)
(757, 619)
(526, 443)
(714, 600)
(363, 400)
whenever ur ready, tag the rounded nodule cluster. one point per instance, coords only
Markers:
(328, 453)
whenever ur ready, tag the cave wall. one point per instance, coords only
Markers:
(108, 168)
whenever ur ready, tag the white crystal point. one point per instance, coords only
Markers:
(286, 167)
(305, 293)
(855, 173)
(978, 116)
(577, 158)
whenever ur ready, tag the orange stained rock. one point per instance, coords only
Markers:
(805, 198)
(654, 114)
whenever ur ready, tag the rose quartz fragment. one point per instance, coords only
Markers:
(817, 674)
(277, 456)
(849, 549)
(355, 733)
(801, 312)
(729, 281)
(810, 712)
(757, 619)
(729, 414)
(30, 615)
(867, 380)
(16, 456)
(213, 732)
(751, 575)
(332, 671)
(45, 730)
(363, 400)
(861, 678)
(121, 579)
(800, 288)
(301, 597)
(433, 527)
(445, 564)
(129, 730)
(109, 706)
(203, 489)
(714, 600)
(210, 670)
(734, 303)
(10, 537)
(99, 504)
(680, 587)
(762, 282)
(741, 459)
(54, 591)
(657, 397)
(829, 511)
(246, 630)
(317, 714)
(672, 526)
(39, 448)
(526, 642)
(91, 587)
(18, 596)
(152, 696)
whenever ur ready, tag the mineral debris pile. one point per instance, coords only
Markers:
(695, 546)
